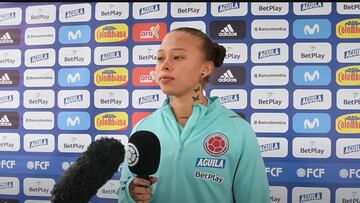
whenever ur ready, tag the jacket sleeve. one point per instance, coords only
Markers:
(250, 181)
(125, 180)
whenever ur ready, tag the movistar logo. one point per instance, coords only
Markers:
(311, 77)
(311, 30)
(71, 122)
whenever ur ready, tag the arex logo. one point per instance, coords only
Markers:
(137, 116)
(9, 120)
(349, 29)
(227, 29)
(144, 76)
(348, 76)
(116, 32)
(111, 121)
(149, 32)
(9, 37)
(111, 77)
(348, 124)
(9, 78)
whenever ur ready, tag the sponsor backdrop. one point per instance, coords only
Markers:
(71, 73)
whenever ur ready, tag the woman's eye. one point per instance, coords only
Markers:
(178, 57)
(159, 58)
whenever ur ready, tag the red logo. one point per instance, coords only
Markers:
(144, 76)
(216, 144)
(149, 32)
(137, 116)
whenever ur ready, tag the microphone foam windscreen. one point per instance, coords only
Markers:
(89, 172)
(143, 153)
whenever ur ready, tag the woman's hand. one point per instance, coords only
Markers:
(140, 189)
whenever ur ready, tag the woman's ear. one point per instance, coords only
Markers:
(207, 68)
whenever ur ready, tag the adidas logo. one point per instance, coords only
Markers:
(6, 39)
(227, 77)
(5, 80)
(4, 121)
(227, 31)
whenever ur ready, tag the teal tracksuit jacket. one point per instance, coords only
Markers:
(215, 158)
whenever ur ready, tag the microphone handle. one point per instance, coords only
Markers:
(143, 176)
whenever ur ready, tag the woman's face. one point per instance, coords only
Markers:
(179, 63)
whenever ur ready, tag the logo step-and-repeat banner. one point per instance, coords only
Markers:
(73, 72)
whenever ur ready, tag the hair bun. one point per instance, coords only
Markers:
(220, 52)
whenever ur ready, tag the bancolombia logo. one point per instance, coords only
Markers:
(348, 76)
(111, 77)
(111, 121)
(227, 29)
(9, 120)
(116, 32)
(349, 29)
(9, 37)
(348, 124)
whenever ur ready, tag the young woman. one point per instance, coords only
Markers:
(208, 153)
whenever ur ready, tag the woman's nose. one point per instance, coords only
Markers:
(166, 65)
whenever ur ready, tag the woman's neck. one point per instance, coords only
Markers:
(182, 106)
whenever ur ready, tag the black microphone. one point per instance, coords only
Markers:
(89, 172)
(143, 154)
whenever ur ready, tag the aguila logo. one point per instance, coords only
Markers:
(216, 144)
